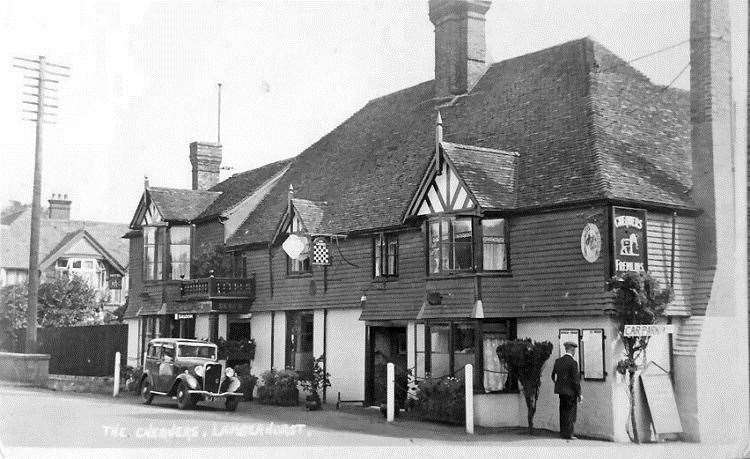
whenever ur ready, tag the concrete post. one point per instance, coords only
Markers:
(469, 394)
(116, 389)
(390, 396)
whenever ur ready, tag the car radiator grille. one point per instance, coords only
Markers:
(212, 378)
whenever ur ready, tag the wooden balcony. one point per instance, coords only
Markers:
(218, 288)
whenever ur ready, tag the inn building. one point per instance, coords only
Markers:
(488, 204)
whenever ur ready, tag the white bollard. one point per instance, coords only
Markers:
(116, 389)
(390, 396)
(469, 393)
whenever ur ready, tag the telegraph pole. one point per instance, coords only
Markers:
(44, 79)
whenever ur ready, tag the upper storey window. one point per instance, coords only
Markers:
(457, 244)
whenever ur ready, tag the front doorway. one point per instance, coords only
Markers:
(386, 344)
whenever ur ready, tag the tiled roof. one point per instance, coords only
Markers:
(312, 215)
(239, 186)
(14, 239)
(177, 204)
(585, 124)
(490, 174)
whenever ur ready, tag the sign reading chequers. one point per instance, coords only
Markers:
(629, 240)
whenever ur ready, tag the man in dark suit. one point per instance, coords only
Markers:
(567, 380)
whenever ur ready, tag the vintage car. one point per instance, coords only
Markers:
(187, 370)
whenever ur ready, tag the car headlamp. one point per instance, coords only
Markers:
(199, 370)
(229, 372)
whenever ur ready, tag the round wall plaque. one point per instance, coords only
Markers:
(591, 242)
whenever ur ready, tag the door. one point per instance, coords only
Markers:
(388, 344)
(166, 371)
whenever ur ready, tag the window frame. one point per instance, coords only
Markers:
(381, 244)
(476, 244)
(478, 326)
(169, 262)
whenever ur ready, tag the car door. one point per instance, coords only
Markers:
(166, 369)
(152, 364)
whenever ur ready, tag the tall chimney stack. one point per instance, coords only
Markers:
(205, 158)
(460, 46)
(59, 207)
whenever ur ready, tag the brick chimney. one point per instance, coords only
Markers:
(205, 158)
(459, 44)
(59, 207)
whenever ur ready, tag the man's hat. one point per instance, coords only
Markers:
(569, 344)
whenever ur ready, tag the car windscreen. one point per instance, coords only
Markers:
(198, 351)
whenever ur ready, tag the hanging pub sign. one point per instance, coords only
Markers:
(321, 252)
(629, 240)
(296, 247)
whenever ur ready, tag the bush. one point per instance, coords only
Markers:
(13, 305)
(132, 377)
(241, 350)
(440, 399)
(247, 380)
(279, 388)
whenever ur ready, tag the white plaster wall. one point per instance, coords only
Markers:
(133, 341)
(346, 354)
(279, 341)
(222, 326)
(201, 326)
(260, 329)
(595, 412)
(499, 410)
(318, 323)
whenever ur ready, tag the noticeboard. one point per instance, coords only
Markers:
(629, 242)
(592, 354)
(661, 402)
(570, 334)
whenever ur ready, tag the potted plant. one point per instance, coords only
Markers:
(317, 380)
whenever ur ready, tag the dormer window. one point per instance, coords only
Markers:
(295, 266)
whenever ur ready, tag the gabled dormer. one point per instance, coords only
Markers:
(463, 197)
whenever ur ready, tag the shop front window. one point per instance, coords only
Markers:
(450, 347)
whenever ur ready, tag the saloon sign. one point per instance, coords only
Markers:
(629, 240)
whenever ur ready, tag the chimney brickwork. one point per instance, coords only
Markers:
(460, 46)
(205, 157)
(59, 207)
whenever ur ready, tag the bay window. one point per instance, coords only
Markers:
(451, 245)
(179, 251)
(385, 255)
(149, 253)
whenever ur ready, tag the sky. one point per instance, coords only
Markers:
(144, 74)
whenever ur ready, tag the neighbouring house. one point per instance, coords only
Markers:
(490, 203)
(92, 250)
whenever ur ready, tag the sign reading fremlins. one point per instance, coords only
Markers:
(629, 240)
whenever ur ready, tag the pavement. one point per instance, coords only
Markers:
(44, 423)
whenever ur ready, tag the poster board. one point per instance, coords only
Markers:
(592, 354)
(570, 334)
(661, 402)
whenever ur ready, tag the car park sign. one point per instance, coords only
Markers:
(647, 330)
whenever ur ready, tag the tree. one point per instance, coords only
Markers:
(526, 358)
(13, 305)
(211, 260)
(639, 300)
(67, 301)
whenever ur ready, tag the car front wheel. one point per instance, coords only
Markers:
(231, 403)
(184, 400)
(146, 394)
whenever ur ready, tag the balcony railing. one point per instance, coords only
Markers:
(218, 288)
